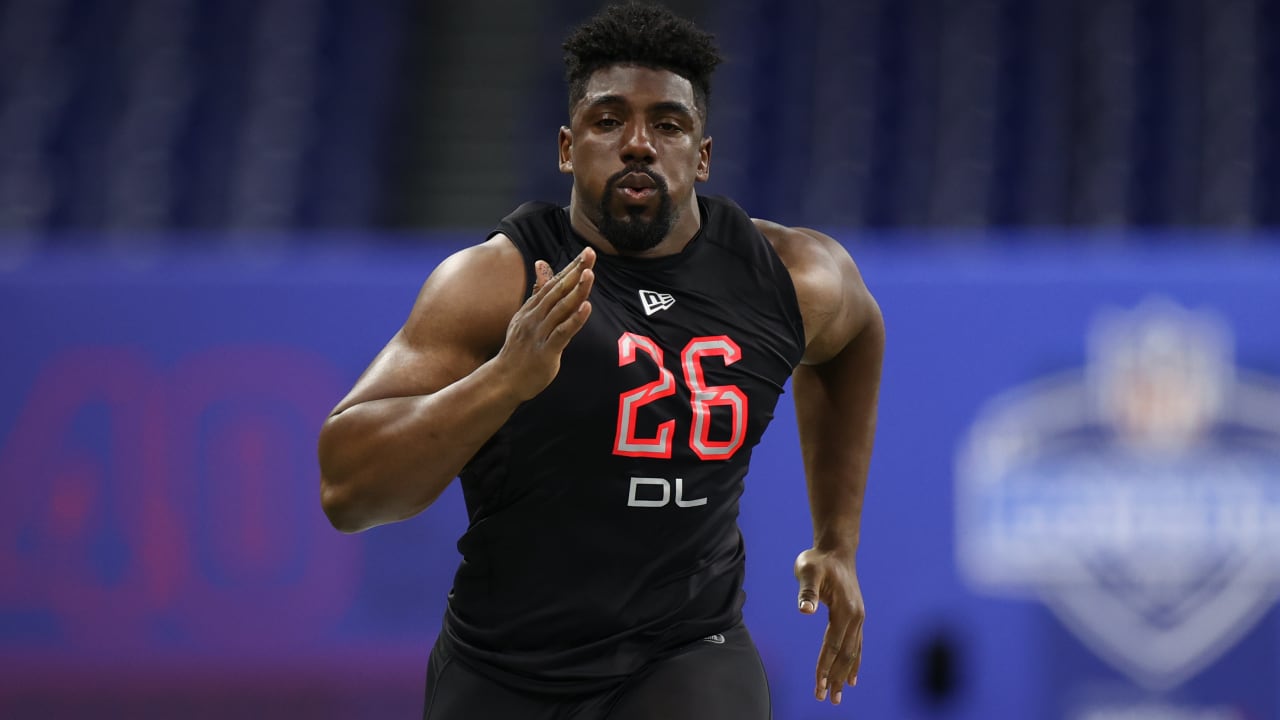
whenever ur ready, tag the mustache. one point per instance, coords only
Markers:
(657, 179)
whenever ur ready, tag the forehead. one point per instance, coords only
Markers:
(639, 86)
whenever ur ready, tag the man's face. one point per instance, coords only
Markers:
(635, 147)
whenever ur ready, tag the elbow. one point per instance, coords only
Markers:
(336, 497)
(338, 500)
(357, 493)
(339, 508)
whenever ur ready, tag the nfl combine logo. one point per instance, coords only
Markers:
(655, 301)
(1138, 497)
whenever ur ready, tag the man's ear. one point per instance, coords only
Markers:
(704, 160)
(566, 150)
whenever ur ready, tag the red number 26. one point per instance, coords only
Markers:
(702, 399)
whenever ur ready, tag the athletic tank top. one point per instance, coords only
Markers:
(603, 514)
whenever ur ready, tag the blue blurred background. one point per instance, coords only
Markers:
(213, 213)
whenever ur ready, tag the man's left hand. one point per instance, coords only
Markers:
(832, 579)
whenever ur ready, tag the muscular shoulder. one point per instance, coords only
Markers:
(458, 321)
(470, 297)
(834, 300)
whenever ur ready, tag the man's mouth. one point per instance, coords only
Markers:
(637, 186)
(638, 194)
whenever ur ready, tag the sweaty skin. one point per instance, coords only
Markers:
(632, 116)
(472, 349)
(836, 388)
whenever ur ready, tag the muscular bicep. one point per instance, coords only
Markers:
(458, 322)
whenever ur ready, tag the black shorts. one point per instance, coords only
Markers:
(718, 678)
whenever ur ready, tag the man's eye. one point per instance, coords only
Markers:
(608, 123)
(668, 127)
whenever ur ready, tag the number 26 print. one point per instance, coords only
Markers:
(702, 399)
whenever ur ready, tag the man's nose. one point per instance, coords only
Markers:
(637, 144)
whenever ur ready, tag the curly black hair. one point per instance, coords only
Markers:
(640, 33)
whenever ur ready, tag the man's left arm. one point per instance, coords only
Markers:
(836, 388)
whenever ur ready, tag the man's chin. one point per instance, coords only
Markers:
(633, 212)
(636, 222)
(636, 227)
(632, 234)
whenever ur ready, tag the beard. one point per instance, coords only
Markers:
(634, 233)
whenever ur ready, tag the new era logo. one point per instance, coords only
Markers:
(655, 301)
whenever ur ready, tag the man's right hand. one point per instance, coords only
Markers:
(544, 325)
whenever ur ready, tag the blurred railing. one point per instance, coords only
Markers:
(285, 114)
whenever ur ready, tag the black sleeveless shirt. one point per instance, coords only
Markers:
(603, 514)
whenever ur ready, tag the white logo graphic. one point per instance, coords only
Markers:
(716, 639)
(655, 301)
(1139, 498)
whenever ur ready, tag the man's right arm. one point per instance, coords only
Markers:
(468, 355)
